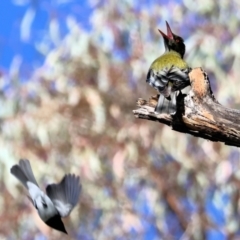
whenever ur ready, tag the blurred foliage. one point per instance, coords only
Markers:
(141, 180)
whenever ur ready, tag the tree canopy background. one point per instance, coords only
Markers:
(70, 76)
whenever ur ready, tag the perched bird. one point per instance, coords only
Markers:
(169, 72)
(60, 199)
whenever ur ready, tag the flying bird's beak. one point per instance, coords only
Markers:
(56, 223)
(169, 31)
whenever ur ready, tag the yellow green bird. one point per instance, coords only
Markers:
(169, 72)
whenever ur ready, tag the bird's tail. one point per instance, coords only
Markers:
(23, 172)
(67, 191)
(167, 105)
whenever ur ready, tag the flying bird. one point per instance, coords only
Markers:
(59, 199)
(169, 73)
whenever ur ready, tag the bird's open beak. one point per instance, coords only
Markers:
(163, 34)
(169, 32)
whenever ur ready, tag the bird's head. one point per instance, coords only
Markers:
(56, 223)
(172, 41)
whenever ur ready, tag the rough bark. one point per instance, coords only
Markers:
(198, 113)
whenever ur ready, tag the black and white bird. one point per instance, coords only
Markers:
(59, 199)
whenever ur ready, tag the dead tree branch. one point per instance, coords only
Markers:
(198, 113)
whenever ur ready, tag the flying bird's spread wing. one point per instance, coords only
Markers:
(23, 172)
(65, 194)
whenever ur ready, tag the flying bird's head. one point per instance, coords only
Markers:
(172, 41)
(56, 223)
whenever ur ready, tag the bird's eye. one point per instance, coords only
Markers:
(177, 40)
(44, 205)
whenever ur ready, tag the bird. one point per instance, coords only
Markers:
(168, 74)
(59, 199)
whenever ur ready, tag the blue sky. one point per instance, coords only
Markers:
(12, 15)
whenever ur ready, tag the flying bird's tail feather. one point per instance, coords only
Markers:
(23, 172)
(19, 174)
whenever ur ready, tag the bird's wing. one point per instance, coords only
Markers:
(179, 77)
(65, 194)
(178, 72)
(158, 79)
(23, 172)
